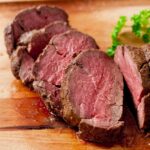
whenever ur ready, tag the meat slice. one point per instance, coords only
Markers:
(134, 63)
(16, 59)
(92, 97)
(36, 40)
(30, 45)
(21, 65)
(30, 19)
(51, 64)
(25, 71)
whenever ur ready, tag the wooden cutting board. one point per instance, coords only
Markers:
(23, 118)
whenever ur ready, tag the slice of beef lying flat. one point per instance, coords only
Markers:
(134, 63)
(51, 64)
(30, 19)
(30, 45)
(92, 97)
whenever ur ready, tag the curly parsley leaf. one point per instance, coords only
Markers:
(141, 25)
(115, 42)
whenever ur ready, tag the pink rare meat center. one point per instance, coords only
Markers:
(61, 53)
(92, 87)
(130, 72)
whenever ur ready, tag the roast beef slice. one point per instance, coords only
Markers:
(92, 97)
(30, 19)
(50, 66)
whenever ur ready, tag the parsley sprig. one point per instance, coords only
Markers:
(115, 42)
(140, 27)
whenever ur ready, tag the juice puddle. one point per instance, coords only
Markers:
(27, 113)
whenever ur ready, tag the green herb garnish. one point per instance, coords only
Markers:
(115, 42)
(140, 27)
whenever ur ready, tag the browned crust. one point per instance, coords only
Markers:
(103, 135)
(16, 62)
(9, 39)
(144, 112)
(39, 88)
(16, 59)
(67, 110)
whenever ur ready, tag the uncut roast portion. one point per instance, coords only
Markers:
(134, 63)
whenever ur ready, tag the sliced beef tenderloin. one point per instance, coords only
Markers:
(21, 65)
(30, 45)
(134, 63)
(36, 40)
(16, 59)
(25, 71)
(92, 97)
(30, 19)
(51, 64)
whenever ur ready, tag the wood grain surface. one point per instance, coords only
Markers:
(23, 117)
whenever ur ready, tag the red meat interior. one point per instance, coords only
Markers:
(56, 59)
(38, 39)
(25, 71)
(131, 74)
(95, 87)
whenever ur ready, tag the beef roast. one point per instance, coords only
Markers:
(92, 97)
(30, 19)
(134, 63)
(30, 45)
(51, 64)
